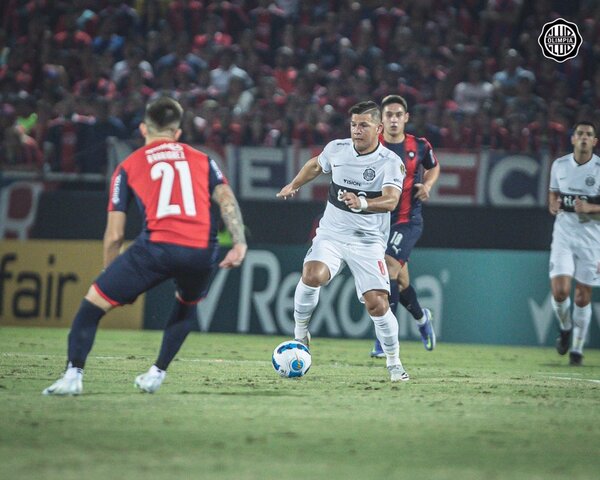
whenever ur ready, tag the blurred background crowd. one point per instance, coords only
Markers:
(285, 72)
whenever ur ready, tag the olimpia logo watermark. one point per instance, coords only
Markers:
(560, 40)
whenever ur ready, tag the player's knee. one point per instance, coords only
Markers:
(95, 298)
(378, 310)
(583, 296)
(561, 287)
(377, 305)
(313, 279)
(179, 299)
(560, 295)
(315, 275)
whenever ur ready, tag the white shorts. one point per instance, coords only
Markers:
(583, 264)
(366, 262)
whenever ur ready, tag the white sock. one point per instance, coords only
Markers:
(562, 310)
(386, 330)
(582, 317)
(305, 302)
(72, 371)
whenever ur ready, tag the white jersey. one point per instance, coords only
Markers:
(571, 180)
(364, 175)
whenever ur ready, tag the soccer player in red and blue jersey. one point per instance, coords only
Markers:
(175, 187)
(422, 171)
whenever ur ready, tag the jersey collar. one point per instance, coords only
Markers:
(584, 163)
(357, 154)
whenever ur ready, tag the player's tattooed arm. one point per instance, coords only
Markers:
(232, 217)
(230, 212)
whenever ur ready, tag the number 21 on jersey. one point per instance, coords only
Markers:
(166, 173)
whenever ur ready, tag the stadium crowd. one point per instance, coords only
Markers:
(282, 72)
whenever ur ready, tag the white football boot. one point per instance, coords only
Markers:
(70, 384)
(150, 381)
(397, 373)
(305, 341)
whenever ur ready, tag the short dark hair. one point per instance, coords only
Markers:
(394, 99)
(585, 122)
(369, 107)
(164, 113)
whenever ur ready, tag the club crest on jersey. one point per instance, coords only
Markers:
(590, 181)
(369, 174)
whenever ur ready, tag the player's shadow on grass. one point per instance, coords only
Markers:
(262, 393)
(571, 368)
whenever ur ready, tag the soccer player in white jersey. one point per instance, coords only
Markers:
(575, 252)
(366, 182)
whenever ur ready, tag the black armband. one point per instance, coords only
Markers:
(568, 200)
(335, 192)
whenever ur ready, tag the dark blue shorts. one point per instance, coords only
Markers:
(403, 238)
(146, 264)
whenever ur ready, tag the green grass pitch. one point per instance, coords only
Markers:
(468, 412)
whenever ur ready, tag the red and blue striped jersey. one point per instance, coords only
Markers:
(417, 155)
(173, 184)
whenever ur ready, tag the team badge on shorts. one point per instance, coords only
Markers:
(560, 40)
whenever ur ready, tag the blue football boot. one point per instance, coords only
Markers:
(426, 331)
(377, 351)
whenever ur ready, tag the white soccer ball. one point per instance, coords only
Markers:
(291, 359)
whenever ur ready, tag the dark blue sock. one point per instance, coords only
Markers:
(408, 298)
(394, 296)
(182, 321)
(83, 332)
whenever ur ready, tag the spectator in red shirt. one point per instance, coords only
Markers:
(71, 38)
(512, 135)
(455, 135)
(547, 135)
(284, 72)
